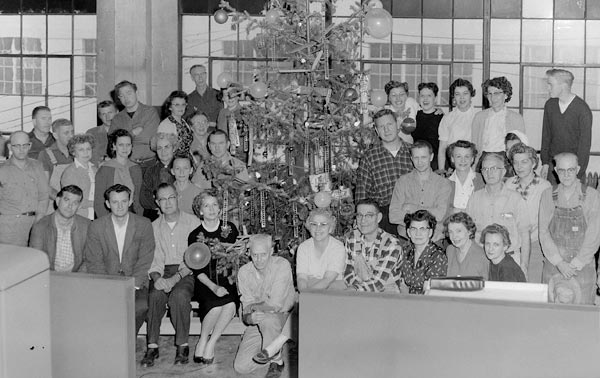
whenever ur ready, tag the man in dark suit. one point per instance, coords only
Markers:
(122, 243)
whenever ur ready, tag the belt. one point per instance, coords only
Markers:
(140, 161)
(27, 214)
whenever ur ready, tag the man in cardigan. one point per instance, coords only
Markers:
(139, 119)
(62, 234)
(122, 244)
(567, 125)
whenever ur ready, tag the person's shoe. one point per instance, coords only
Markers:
(182, 355)
(275, 370)
(149, 357)
(263, 357)
(204, 361)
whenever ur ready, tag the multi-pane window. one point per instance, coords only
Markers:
(47, 57)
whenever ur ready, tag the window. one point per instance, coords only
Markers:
(47, 57)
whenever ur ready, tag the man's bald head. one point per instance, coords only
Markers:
(18, 137)
(19, 145)
(567, 157)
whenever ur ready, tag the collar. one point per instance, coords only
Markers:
(112, 218)
(79, 165)
(470, 176)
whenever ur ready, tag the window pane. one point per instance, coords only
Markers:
(468, 9)
(410, 73)
(438, 74)
(59, 78)
(220, 66)
(504, 45)
(59, 35)
(30, 102)
(568, 41)
(84, 76)
(9, 75)
(538, 8)
(595, 126)
(10, 32)
(60, 6)
(84, 6)
(407, 8)
(247, 70)
(506, 8)
(33, 6)
(437, 8)
(593, 10)
(34, 35)
(468, 37)
(344, 8)
(592, 88)
(34, 76)
(379, 75)
(61, 107)
(537, 41)
(9, 6)
(84, 114)
(533, 126)
(437, 39)
(511, 71)
(535, 88)
(473, 73)
(194, 35)
(375, 48)
(85, 35)
(10, 113)
(592, 41)
(406, 38)
(569, 8)
(223, 40)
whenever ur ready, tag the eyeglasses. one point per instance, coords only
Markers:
(367, 216)
(562, 171)
(419, 230)
(318, 225)
(494, 94)
(491, 170)
(21, 146)
(164, 200)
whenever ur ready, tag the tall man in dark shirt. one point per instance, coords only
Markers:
(106, 112)
(158, 173)
(567, 124)
(203, 98)
(40, 137)
(382, 165)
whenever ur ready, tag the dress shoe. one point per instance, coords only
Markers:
(204, 361)
(275, 370)
(149, 357)
(182, 355)
(263, 357)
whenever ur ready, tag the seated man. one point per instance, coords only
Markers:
(420, 189)
(62, 234)
(373, 255)
(122, 244)
(267, 295)
(171, 280)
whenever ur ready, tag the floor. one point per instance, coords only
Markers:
(222, 368)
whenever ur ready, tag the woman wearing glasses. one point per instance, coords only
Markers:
(490, 126)
(422, 259)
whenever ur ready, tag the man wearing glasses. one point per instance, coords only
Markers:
(495, 203)
(24, 192)
(372, 255)
(171, 281)
(569, 224)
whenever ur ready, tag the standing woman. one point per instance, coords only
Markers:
(118, 170)
(174, 107)
(216, 297)
(82, 172)
(402, 105)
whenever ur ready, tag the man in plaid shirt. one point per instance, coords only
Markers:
(382, 165)
(373, 255)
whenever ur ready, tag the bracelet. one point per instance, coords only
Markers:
(180, 276)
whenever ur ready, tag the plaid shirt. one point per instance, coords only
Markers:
(514, 183)
(383, 258)
(378, 171)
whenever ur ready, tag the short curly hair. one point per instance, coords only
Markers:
(395, 84)
(172, 138)
(501, 83)
(420, 216)
(463, 218)
(112, 140)
(462, 144)
(80, 139)
(522, 148)
(200, 198)
(496, 229)
(319, 211)
(460, 82)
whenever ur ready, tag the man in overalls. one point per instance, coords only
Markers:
(569, 224)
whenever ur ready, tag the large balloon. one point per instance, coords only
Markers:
(197, 256)
(378, 23)
(224, 79)
(323, 199)
(378, 97)
(272, 16)
(221, 16)
(258, 89)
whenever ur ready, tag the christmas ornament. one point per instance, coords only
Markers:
(350, 95)
(258, 89)
(221, 16)
(378, 23)
(197, 256)
(272, 16)
(408, 125)
(323, 199)
(378, 98)
(224, 79)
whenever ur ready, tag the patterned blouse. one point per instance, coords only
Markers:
(185, 137)
(432, 263)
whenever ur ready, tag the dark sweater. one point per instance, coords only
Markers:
(570, 131)
(506, 270)
(427, 130)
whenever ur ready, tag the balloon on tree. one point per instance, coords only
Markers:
(224, 79)
(197, 256)
(272, 16)
(378, 23)
(378, 97)
(323, 199)
(258, 89)
(221, 16)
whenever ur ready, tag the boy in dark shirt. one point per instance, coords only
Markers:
(428, 121)
(495, 242)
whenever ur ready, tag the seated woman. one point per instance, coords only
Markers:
(174, 108)
(496, 242)
(217, 297)
(82, 172)
(422, 259)
(465, 179)
(465, 257)
(186, 190)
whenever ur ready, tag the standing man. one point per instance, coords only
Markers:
(122, 244)
(24, 192)
(62, 234)
(157, 174)
(373, 255)
(421, 189)
(567, 124)
(40, 136)
(139, 119)
(267, 295)
(106, 112)
(382, 165)
(56, 158)
(569, 223)
(171, 282)
(203, 98)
